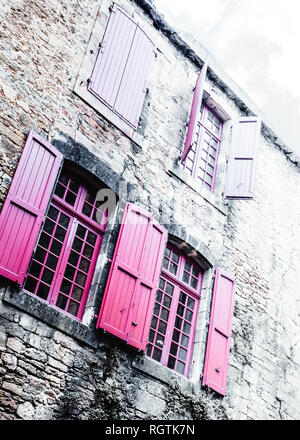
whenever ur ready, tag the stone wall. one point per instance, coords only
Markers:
(52, 367)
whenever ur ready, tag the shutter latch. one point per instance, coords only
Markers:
(134, 324)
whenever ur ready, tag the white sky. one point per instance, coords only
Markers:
(257, 43)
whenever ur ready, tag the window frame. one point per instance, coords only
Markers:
(77, 217)
(195, 294)
(197, 147)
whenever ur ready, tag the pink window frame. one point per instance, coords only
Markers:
(198, 146)
(179, 286)
(76, 218)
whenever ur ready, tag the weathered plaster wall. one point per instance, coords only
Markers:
(48, 362)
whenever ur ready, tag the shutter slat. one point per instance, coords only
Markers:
(194, 114)
(241, 170)
(132, 91)
(112, 56)
(26, 204)
(131, 286)
(218, 340)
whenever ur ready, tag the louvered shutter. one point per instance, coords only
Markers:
(195, 112)
(218, 341)
(129, 295)
(122, 65)
(241, 170)
(25, 205)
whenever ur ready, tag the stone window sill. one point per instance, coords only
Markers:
(161, 373)
(214, 200)
(46, 313)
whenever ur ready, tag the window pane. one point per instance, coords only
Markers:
(180, 367)
(171, 362)
(156, 354)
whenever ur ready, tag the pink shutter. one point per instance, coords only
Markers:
(25, 205)
(196, 104)
(240, 179)
(132, 91)
(129, 295)
(121, 69)
(218, 342)
(112, 57)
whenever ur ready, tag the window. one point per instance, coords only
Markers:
(175, 311)
(201, 160)
(63, 262)
(121, 68)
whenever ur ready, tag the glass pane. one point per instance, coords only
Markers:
(159, 340)
(51, 261)
(73, 308)
(70, 198)
(167, 301)
(80, 231)
(49, 226)
(40, 254)
(91, 238)
(74, 186)
(162, 327)
(167, 252)
(84, 264)
(188, 266)
(169, 289)
(64, 220)
(69, 272)
(73, 258)
(184, 341)
(65, 286)
(80, 279)
(148, 351)
(182, 297)
(180, 368)
(186, 277)
(44, 240)
(161, 284)
(151, 335)
(186, 328)
(61, 301)
(56, 247)
(173, 349)
(52, 213)
(171, 362)
(35, 269)
(156, 309)
(88, 251)
(77, 293)
(191, 303)
(158, 296)
(47, 276)
(175, 257)
(178, 323)
(43, 291)
(153, 322)
(180, 310)
(164, 314)
(165, 263)
(182, 354)
(60, 190)
(173, 268)
(30, 284)
(156, 354)
(188, 315)
(87, 209)
(194, 283)
(176, 335)
(77, 244)
(60, 233)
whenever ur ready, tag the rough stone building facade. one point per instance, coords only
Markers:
(127, 136)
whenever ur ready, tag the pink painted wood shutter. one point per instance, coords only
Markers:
(194, 114)
(25, 205)
(129, 295)
(241, 170)
(122, 66)
(218, 341)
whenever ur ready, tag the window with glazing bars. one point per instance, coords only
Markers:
(201, 161)
(175, 312)
(63, 262)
